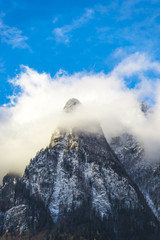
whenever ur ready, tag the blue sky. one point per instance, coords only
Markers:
(105, 53)
(74, 36)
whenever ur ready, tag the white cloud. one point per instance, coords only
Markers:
(62, 34)
(12, 36)
(26, 124)
(135, 64)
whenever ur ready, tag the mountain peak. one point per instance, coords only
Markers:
(145, 108)
(71, 104)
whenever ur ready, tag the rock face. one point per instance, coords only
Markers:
(7, 191)
(71, 105)
(19, 211)
(77, 189)
(145, 173)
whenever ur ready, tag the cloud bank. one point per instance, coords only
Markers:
(35, 110)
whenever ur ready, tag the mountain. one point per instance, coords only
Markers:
(144, 172)
(76, 188)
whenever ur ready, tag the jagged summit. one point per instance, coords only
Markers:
(71, 104)
(144, 107)
(81, 119)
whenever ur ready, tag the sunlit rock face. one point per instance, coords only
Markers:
(77, 187)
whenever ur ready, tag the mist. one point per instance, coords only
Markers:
(33, 113)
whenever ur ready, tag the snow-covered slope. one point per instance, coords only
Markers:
(144, 172)
(77, 167)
